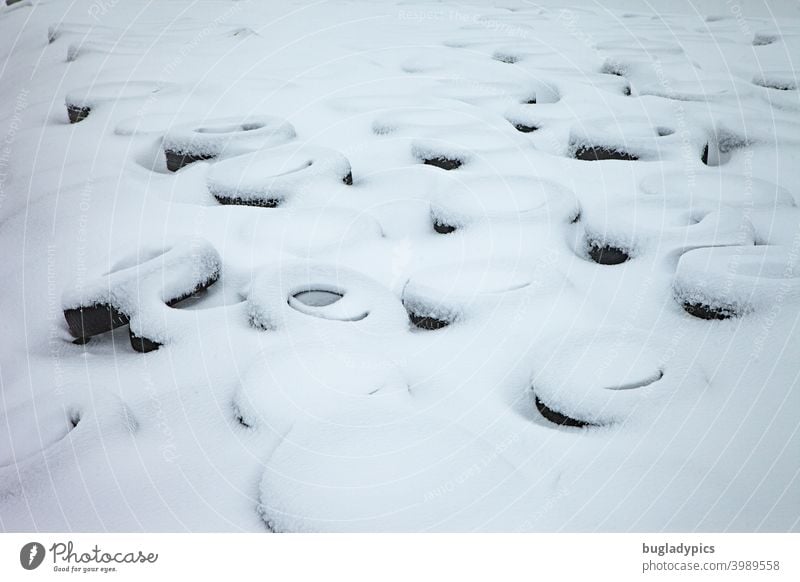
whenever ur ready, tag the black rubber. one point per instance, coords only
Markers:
(443, 162)
(348, 179)
(505, 58)
(704, 156)
(427, 323)
(599, 153)
(142, 344)
(703, 311)
(77, 114)
(558, 418)
(607, 255)
(260, 203)
(84, 322)
(443, 228)
(177, 160)
(525, 128)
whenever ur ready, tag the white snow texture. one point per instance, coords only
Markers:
(401, 265)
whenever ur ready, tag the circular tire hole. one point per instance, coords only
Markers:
(317, 297)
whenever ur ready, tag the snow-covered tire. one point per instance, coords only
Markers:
(439, 296)
(285, 297)
(223, 137)
(137, 294)
(725, 282)
(612, 236)
(269, 178)
(712, 191)
(80, 102)
(465, 200)
(622, 139)
(600, 377)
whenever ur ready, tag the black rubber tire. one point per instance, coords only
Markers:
(443, 228)
(703, 311)
(178, 160)
(558, 418)
(608, 255)
(85, 322)
(77, 114)
(600, 153)
(443, 162)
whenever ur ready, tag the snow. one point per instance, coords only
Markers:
(408, 266)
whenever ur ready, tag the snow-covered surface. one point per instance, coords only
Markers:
(293, 393)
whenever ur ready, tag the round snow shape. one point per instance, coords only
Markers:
(313, 382)
(40, 425)
(430, 118)
(294, 295)
(720, 147)
(268, 178)
(138, 291)
(725, 282)
(81, 101)
(151, 123)
(459, 147)
(599, 377)
(710, 191)
(222, 137)
(33, 427)
(620, 139)
(461, 202)
(441, 295)
(440, 154)
(621, 232)
(372, 471)
(785, 80)
(699, 90)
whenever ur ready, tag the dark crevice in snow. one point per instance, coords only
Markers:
(638, 384)
(443, 162)
(605, 254)
(708, 312)
(74, 418)
(524, 128)
(764, 39)
(178, 160)
(505, 58)
(720, 147)
(142, 344)
(84, 322)
(257, 202)
(77, 113)
(592, 153)
(443, 228)
(427, 322)
(559, 418)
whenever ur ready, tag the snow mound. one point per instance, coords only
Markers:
(716, 283)
(275, 176)
(370, 470)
